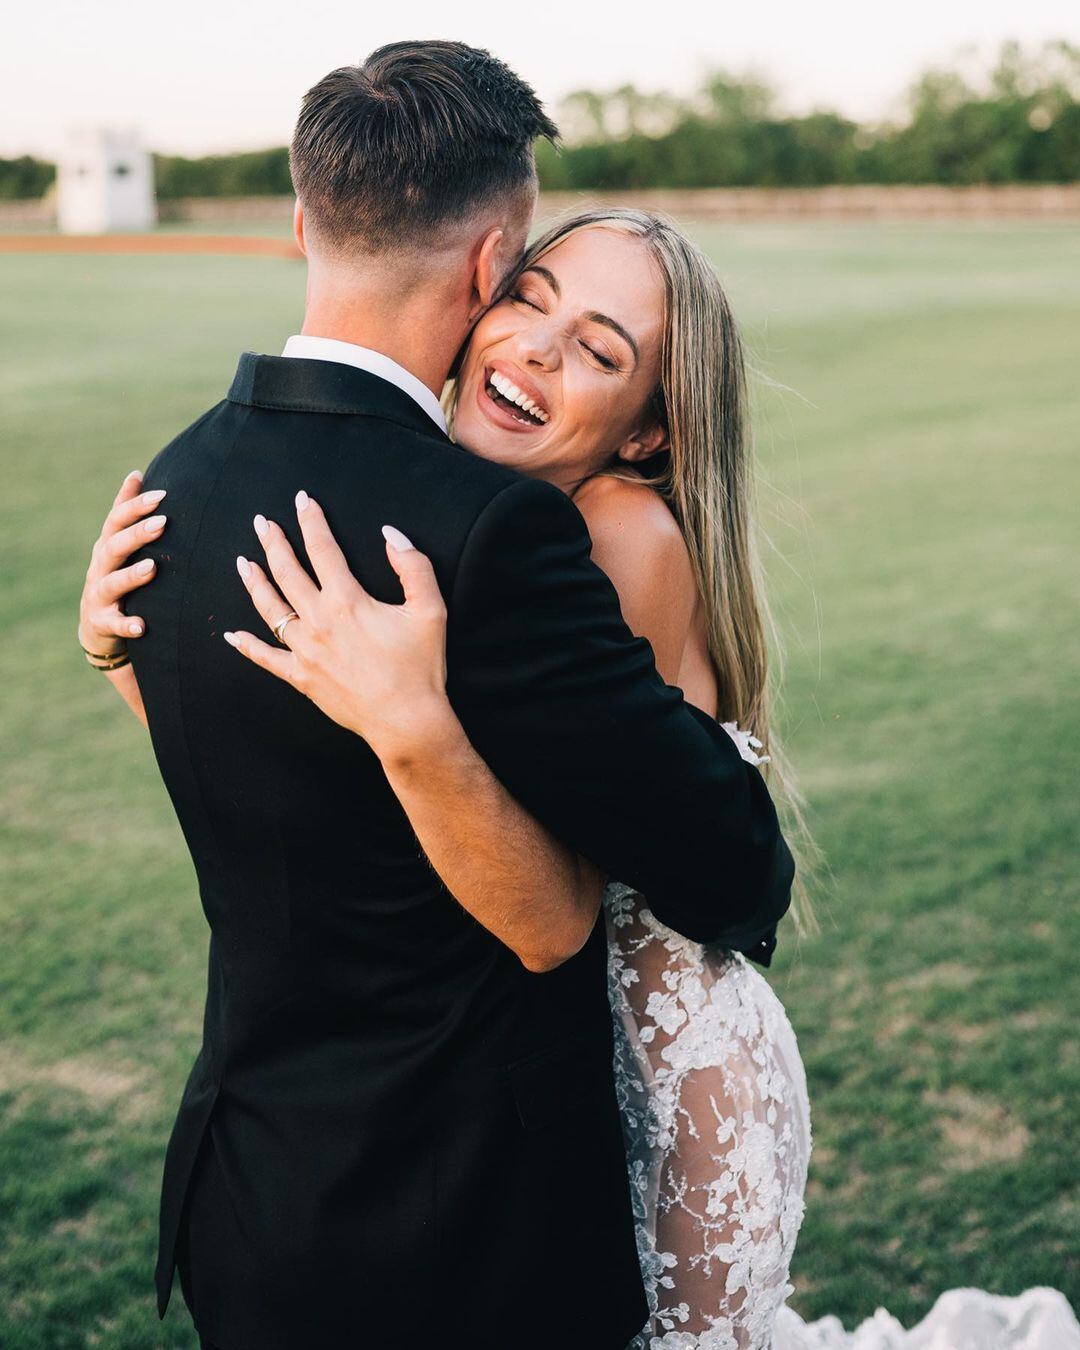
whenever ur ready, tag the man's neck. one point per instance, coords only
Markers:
(416, 332)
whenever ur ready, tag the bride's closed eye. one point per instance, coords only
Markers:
(520, 298)
(605, 361)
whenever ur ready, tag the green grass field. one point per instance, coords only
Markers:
(918, 425)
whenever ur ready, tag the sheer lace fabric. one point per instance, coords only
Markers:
(717, 1127)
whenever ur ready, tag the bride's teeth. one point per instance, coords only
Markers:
(513, 394)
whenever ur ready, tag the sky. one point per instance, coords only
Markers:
(203, 76)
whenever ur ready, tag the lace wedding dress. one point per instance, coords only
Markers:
(716, 1120)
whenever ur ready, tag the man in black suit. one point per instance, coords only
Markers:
(396, 1133)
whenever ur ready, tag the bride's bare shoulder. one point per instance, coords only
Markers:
(631, 524)
(616, 508)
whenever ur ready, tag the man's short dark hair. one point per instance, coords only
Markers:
(387, 153)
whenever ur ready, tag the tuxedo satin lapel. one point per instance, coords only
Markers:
(289, 384)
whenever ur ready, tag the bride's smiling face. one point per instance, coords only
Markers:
(558, 378)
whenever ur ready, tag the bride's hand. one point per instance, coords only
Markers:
(378, 670)
(104, 628)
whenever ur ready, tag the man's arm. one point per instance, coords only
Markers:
(567, 708)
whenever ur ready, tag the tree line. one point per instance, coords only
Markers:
(1019, 122)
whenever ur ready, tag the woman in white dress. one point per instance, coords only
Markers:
(635, 406)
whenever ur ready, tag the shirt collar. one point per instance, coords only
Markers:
(375, 363)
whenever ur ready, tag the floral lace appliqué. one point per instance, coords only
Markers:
(717, 1129)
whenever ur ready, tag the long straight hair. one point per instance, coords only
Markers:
(706, 477)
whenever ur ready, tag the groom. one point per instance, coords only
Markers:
(396, 1135)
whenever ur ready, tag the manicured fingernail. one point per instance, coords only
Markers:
(147, 565)
(260, 526)
(152, 498)
(243, 567)
(302, 500)
(135, 473)
(135, 629)
(156, 523)
(231, 639)
(396, 539)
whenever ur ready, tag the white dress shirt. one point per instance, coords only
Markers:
(363, 358)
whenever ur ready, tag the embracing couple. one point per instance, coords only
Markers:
(466, 759)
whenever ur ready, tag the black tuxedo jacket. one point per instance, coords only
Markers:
(394, 1134)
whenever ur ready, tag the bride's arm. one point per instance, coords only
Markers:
(536, 895)
(533, 892)
(380, 671)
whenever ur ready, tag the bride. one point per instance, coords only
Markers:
(612, 368)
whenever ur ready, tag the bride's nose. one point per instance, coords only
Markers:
(538, 346)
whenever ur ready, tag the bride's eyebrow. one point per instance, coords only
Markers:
(549, 277)
(616, 327)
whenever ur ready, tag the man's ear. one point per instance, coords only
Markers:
(643, 444)
(298, 227)
(488, 273)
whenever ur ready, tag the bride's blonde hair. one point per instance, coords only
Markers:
(706, 477)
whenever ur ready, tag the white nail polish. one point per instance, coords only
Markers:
(260, 526)
(147, 565)
(231, 639)
(396, 539)
(152, 498)
(302, 500)
(243, 567)
(155, 522)
(135, 629)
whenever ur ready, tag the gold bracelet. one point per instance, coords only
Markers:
(106, 660)
(113, 663)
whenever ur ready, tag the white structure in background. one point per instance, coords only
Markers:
(104, 182)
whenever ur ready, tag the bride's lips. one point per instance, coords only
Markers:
(499, 413)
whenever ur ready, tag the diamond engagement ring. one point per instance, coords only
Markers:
(282, 624)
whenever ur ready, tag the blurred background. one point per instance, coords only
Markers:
(892, 198)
